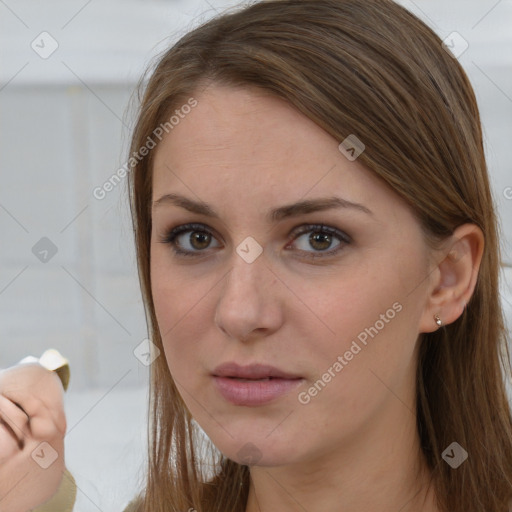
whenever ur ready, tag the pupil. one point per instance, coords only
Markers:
(320, 237)
(203, 240)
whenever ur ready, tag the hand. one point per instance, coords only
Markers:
(31, 413)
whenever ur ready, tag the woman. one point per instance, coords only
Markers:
(318, 254)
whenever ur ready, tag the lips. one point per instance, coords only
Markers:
(252, 372)
(253, 385)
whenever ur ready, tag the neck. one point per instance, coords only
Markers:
(380, 469)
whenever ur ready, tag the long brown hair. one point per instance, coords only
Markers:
(370, 68)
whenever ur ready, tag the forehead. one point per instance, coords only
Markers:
(254, 148)
(243, 124)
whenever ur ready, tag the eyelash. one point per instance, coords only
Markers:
(172, 234)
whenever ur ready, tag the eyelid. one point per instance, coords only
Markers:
(343, 237)
(306, 227)
(170, 236)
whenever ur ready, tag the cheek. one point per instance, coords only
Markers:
(180, 306)
(173, 294)
(367, 315)
(341, 305)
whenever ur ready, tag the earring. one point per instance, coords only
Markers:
(438, 320)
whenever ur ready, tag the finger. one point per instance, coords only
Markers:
(9, 445)
(8, 436)
(25, 402)
(20, 407)
(48, 419)
(14, 420)
(43, 428)
(43, 406)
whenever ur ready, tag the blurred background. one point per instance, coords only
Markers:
(68, 278)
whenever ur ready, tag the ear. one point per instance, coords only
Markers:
(454, 278)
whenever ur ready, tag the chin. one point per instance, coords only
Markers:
(258, 450)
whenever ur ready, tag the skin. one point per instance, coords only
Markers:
(354, 446)
(31, 412)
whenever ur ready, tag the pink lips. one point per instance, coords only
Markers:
(261, 383)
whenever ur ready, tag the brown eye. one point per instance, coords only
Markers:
(189, 239)
(320, 238)
(199, 240)
(320, 241)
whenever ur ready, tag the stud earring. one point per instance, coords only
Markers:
(438, 320)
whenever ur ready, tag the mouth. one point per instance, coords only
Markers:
(253, 385)
(240, 379)
(252, 372)
(254, 392)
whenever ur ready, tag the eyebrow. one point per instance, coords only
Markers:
(274, 215)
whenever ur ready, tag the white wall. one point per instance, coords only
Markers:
(62, 133)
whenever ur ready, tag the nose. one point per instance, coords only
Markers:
(250, 301)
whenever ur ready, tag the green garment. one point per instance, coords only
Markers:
(64, 499)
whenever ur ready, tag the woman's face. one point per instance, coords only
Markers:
(339, 307)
